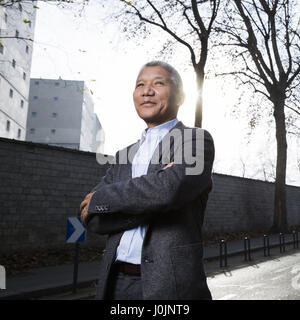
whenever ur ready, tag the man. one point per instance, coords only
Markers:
(152, 209)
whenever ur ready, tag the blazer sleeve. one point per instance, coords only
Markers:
(160, 191)
(107, 179)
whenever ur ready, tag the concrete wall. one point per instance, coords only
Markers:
(241, 204)
(41, 186)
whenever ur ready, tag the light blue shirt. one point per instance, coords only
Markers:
(130, 246)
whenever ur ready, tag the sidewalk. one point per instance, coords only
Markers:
(43, 282)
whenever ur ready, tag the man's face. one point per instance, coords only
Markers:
(154, 97)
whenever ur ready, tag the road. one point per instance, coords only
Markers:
(264, 278)
(272, 278)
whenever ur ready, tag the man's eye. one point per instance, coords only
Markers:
(159, 83)
(139, 85)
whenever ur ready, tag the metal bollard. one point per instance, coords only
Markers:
(247, 249)
(281, 242)
(223, 253)
(266, 245)
(295, 240)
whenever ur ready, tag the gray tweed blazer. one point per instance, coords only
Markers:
(170, 203)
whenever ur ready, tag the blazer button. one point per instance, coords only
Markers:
(146, 259)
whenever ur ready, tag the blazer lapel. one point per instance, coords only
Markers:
(125, 161)
(160, 156)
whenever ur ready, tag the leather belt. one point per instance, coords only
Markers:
(127, 268)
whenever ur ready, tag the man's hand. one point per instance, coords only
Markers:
(84, 207)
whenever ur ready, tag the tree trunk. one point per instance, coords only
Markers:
(280, 212)
(199, 101)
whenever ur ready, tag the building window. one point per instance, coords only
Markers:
(29, 23)
(36, 83)
(35, 97)
(27, 49)
(55, 98)
(5, 17)
(14, 63)
(22, 104)
(11, 93)
(20, 8)
(24, 75)
(19, 133)
(17, 34)
(56, 84)
(1, 48)
(33, 114)
(7, 125)
(53, 131)
(32, 131)
(54, 115)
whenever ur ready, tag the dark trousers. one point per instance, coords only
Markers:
(123, 286)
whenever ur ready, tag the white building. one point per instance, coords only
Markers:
(61, 113)
(17, 25)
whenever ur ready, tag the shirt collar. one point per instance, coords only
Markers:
(159, 130)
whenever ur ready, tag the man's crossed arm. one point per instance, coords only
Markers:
(128, 203)
(84, 206)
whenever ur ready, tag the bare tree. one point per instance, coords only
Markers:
(188, 23)
(264, 38)
(13, 6)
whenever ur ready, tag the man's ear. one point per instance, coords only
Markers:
(180, 99)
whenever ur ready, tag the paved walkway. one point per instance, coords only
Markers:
(41, 282)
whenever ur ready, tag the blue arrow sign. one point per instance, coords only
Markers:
(75, 230)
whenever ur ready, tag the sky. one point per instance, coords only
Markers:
(92, 48)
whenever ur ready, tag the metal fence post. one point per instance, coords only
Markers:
(223, 253)
(281, 242)
(295, 240)
(76, 261)
(247, 249)
(266, 245)
(75, 270)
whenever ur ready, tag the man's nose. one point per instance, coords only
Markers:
(148, 90)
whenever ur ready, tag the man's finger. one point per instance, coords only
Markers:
(89, 195)
(83, 204)
(168, 165)
(83, 215)
(86, 200)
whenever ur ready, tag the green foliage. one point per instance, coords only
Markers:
(127, 2)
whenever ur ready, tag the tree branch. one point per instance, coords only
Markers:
(198, 18)
(188, 19)
(11, 37)
(292, 78)
(253, 49)
(158, 13)
(289, 107)
(165, 28)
